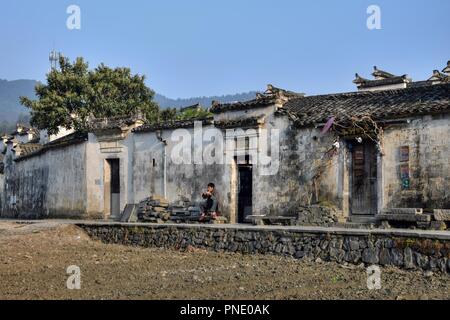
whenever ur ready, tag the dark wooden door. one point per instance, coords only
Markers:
(113, 179)
(364, 179)
(245, 192)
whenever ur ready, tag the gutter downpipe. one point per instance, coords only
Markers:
(165, 168)
(164, 142)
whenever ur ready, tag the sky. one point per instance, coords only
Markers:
(190, 48)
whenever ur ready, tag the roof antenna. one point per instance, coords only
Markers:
(54, 59)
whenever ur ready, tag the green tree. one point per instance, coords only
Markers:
(193, 114)
(74, 93)
(168, 114)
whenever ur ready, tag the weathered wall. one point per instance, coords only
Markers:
(402, 249)
(2, 191)
(429, 164)
(52, 184)
(303, 155)
(70, 181)
(184, 180)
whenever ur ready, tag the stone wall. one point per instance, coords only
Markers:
(404, 249)
(317, 216)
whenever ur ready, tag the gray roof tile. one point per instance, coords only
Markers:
(379, 105)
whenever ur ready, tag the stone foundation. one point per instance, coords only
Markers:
(424, 250)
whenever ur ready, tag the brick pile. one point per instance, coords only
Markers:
(154, 209)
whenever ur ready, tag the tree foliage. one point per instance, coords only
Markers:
(74, 93)
(168, 114)
(173, 114)
(193, 114)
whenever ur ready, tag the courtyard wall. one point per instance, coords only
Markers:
(406, 249)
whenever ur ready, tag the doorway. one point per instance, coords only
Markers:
(112, 188)
(245, 190)
(363, 199)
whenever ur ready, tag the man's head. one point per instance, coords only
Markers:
(211, 187)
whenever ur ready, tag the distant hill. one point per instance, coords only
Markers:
(165, 102)
(11, 109)
(10, 91)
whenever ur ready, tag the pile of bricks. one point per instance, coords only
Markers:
(154, 209)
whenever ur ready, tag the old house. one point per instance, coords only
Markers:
(331, 158)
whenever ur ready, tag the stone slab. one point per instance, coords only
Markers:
(403, 211)
(442, 215)
(130, 213)
(404, 217)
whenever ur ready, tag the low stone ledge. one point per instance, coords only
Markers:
(427, 250)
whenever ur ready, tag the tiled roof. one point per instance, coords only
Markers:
(113, 122)
(27, 148)
(420, 83)
(240, 123)
(269, 97)
(12, 141)
(439, 76)
(22, 130)
(71, 139)
(381, 78)
(236, 106)
(379, 105)
(179, 124)
(380, 74)
(383, 82)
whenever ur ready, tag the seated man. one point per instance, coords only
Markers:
(210, 205)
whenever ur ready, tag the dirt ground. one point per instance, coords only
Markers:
(34, 259)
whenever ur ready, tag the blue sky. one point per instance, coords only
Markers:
(200, 47)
